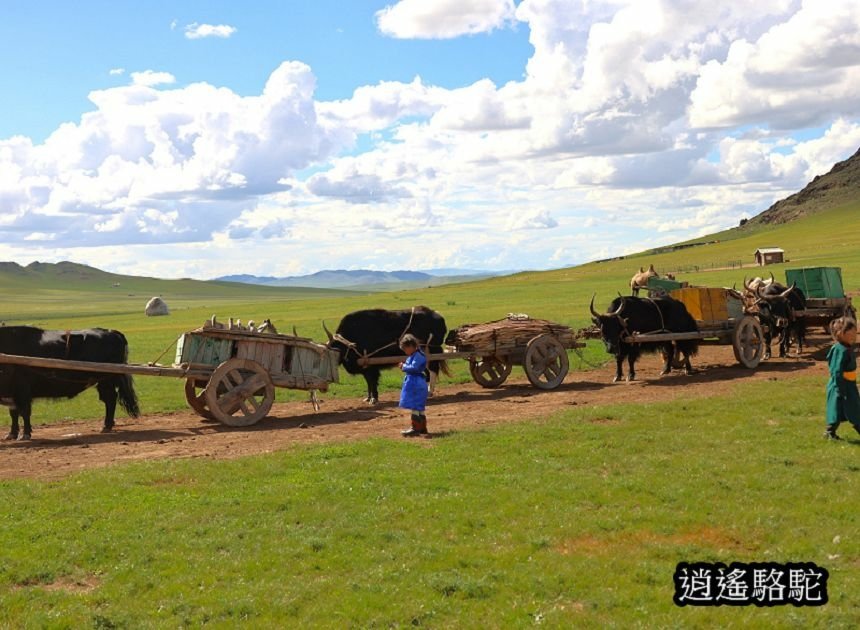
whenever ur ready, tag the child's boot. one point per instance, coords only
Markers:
(422, 424)
(414, 430)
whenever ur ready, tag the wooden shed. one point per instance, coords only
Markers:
(769, 255)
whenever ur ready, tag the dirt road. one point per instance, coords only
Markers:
(58, 450)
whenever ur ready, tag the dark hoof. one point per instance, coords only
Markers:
(664, 372)
(372, 401)
(25, 437)
(107, 429)
(631, 378)
(11, 436)
(689, 372)
(616, 379)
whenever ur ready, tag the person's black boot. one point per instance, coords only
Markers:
(830, 433)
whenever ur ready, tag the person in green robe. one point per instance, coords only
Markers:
(843, 400)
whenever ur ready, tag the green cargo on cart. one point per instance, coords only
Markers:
(817, 282)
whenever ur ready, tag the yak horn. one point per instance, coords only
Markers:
(747, 285)
(772, 279)
(785, 293)
(328, 332)
(295, 332)
(767, 298)
(591, 306)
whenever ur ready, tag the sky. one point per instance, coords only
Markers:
(200, 139)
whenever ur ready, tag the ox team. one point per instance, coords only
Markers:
(376, 333)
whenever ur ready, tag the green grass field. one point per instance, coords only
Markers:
(578, 519)
(574, 520)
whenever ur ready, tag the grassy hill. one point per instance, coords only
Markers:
(839, 186)
(47, 291)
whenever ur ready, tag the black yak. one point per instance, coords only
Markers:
(20, 385)
(377, 333)
(630, 315)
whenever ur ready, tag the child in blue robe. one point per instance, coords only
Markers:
(413, 396)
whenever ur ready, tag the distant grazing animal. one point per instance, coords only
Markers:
(628, 315)
(20, 384)
(640, 280)
(377, 332)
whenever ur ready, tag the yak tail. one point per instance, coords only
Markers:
(125, 386)
(127, 395)
(443, 365)
(690, 347)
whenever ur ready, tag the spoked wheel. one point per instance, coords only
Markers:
(240, 392)
(546, 362)
(748, 341)
(195, 394)
(490, 372)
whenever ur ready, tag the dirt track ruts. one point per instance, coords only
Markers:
(58, 450)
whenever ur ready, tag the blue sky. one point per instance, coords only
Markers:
(54, 53)
(278, 138)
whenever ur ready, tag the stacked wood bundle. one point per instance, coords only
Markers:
(515, 331)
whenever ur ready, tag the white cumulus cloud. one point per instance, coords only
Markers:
(200, 31)
(443, 19)
(679, 115)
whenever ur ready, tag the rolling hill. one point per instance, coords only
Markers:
(839, 186)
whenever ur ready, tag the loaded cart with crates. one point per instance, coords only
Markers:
(824, 292)
(232, 374)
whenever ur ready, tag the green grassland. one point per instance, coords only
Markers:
(578, 519)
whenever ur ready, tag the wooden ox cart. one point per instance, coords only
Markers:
(493, 348)
(824, 293)
(721, 320)
(230, 375)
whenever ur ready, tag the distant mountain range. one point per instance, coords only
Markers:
(366, 278)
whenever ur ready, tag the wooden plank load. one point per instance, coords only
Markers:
(707, 305)
(285, 357)
(515, 331)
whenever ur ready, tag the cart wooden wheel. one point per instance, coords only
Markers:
(195, 394)
(546, 362)
(240, 392)
(748, 341)
(490, 372)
